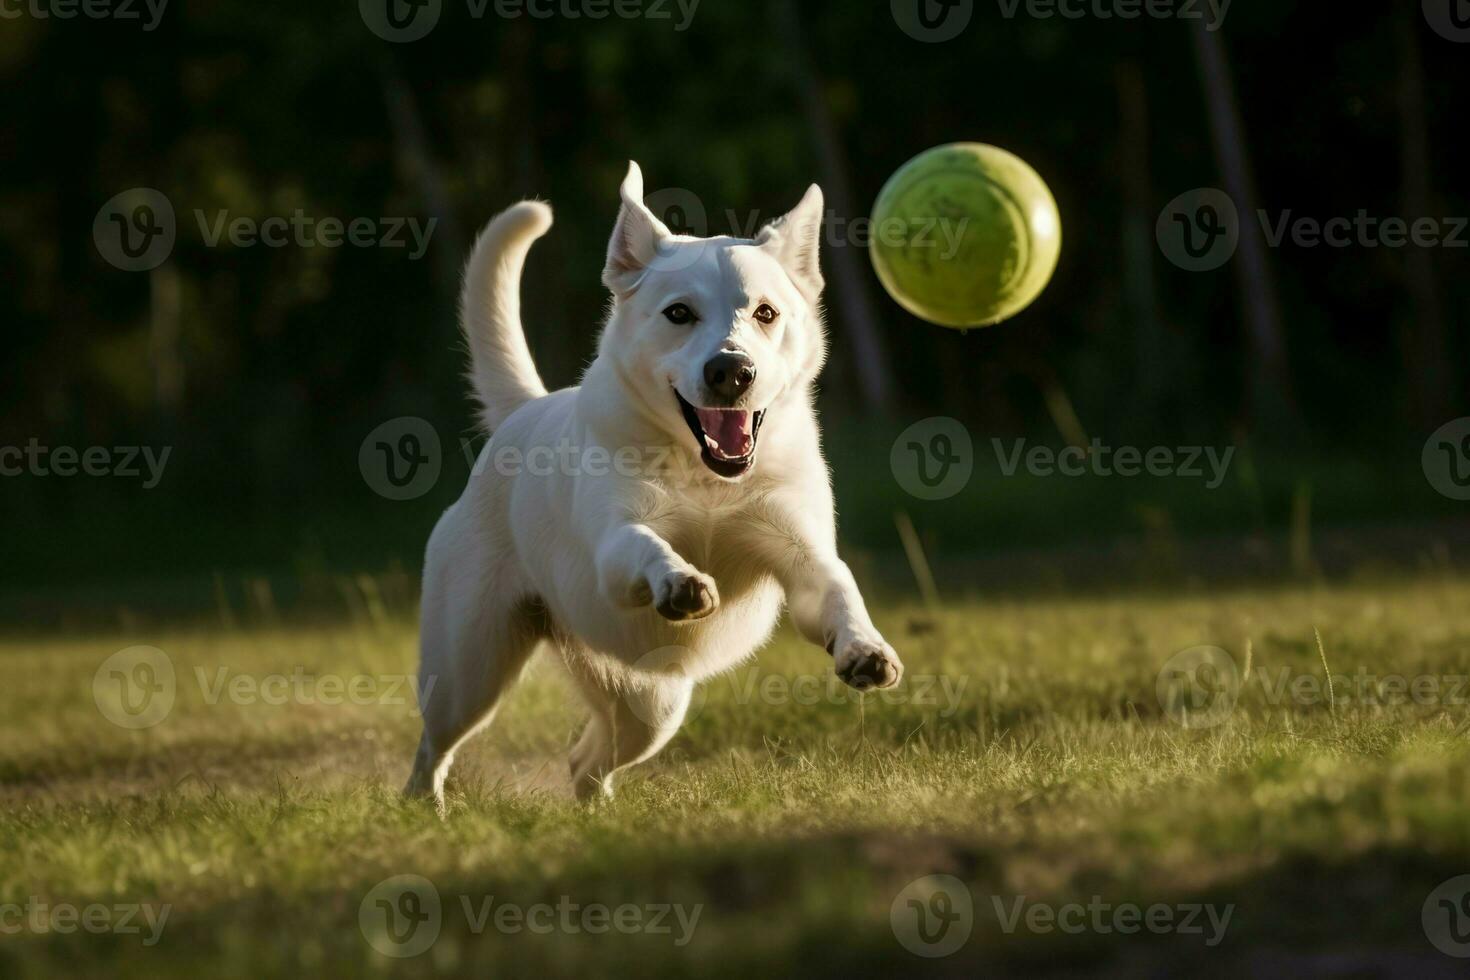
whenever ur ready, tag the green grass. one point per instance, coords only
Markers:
(789, 810)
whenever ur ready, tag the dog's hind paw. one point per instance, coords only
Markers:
(686, 596)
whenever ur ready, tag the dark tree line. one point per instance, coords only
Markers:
(269, 364)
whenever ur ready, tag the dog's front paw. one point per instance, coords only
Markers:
(686, 596)
(866, 664)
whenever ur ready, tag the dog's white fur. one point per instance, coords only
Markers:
(649, 577)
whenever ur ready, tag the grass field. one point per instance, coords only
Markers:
(1031, 754)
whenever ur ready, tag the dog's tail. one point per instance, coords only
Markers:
(501, 370)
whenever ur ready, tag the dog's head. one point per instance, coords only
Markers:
(712, 332)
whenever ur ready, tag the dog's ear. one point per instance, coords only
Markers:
(636, 237)
(795, 239)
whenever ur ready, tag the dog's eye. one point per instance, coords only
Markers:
(679, 314)
(766, 313)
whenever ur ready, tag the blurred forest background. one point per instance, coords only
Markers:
(265, 368)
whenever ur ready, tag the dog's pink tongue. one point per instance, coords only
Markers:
(727, 432)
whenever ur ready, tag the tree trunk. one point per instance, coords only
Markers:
(1270, 401)
(417, 164)
(1423, 332)
(1150, 371)
(849, 277)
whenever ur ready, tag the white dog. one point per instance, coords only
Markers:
(647, 523)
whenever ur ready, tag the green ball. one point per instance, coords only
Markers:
(965, 235)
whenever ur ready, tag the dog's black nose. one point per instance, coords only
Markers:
(728, 374)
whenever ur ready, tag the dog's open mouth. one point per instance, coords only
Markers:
(726, 436)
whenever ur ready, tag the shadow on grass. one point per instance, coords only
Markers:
(807, 906)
